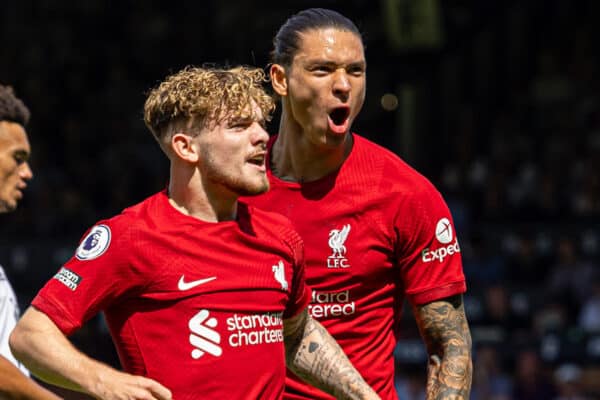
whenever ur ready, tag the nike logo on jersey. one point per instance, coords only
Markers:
(183, 285)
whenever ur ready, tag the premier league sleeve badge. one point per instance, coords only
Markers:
(94, 244)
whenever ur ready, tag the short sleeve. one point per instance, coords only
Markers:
(428, 251)
(91, 280)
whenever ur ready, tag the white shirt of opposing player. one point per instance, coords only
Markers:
(9, 315)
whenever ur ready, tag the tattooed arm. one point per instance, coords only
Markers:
(313, 355)
(444, 329)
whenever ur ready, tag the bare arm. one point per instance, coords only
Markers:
(16, 386)
(313, 355)
(445, 331)
(38, 343)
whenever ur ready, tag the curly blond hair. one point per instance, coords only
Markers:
(195, 96)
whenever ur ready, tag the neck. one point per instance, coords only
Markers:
(294, 157)
(190, 195)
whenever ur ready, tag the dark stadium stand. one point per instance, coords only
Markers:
(499, 105)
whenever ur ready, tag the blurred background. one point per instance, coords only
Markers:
(496, 102)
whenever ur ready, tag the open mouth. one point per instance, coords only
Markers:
(257, 159)
(339, 121)
(339, 115)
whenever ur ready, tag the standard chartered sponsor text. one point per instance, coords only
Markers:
(250, 330)
(331, 304)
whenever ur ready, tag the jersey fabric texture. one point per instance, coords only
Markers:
(375, 232)
(9, 315)
(197, 306)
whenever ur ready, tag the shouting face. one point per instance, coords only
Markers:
(324, 87)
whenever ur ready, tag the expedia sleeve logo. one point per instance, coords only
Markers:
(444, 235)
(443, 231)
(94, 244)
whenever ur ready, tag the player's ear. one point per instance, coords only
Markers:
(278, 79)
(183, 147)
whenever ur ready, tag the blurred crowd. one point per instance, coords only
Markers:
(515, 116)
(523, 183)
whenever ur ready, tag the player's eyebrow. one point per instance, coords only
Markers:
(247, 119)
(321, 62)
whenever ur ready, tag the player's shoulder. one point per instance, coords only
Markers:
(390, 169)
(132, 218)
(128, 217)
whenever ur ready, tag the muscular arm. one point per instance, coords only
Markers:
(313, 355)
(38, 343)
(444, 329)
(16, 386)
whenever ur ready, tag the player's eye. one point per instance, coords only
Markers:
(356, 70)
(321, 69)
(239, 125)
(20, 158)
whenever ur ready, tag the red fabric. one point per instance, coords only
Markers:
(257, 265)
(370, 236)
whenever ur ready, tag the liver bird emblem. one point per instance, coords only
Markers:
(337, 238)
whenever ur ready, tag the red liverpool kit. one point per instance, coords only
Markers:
(197, 306)
(375, 232)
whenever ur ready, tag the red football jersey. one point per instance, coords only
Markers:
(375, 232)
(197, 306)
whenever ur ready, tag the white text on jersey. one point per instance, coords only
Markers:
(441, 253)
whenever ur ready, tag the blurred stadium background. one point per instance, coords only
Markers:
(497, 102)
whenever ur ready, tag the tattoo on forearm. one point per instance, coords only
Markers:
(445, 330)
(319, 360)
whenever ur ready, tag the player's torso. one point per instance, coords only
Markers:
(348, 253)
(349, 250)
(227, 292)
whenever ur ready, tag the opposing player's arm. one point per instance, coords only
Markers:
(445, 331)
(314, 355)
(14, 385)
(38, 343)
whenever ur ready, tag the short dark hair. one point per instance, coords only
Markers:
(12, 108)
(287, 40)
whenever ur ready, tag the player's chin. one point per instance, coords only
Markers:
(259, 186)
(8, 205)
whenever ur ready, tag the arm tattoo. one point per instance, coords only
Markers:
(313, 355)
(445, 331)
